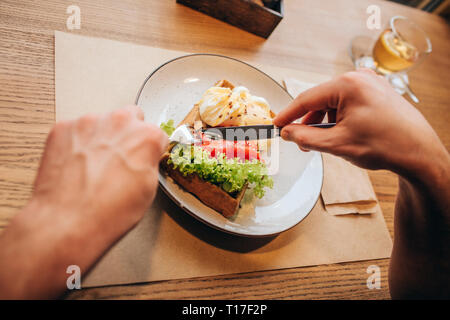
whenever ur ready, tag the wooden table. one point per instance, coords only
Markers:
(313, 36)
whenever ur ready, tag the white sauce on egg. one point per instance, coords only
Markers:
(225, 107)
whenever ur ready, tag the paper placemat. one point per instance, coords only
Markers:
(99, 75)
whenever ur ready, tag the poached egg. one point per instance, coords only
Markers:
(221, 106)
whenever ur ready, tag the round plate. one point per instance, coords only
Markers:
(170, 93)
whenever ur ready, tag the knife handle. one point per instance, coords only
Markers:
(316, 125)
(322, 125)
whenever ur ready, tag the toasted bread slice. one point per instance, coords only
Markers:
(210, 194)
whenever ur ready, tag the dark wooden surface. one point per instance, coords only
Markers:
(243, 14)
(313, 36)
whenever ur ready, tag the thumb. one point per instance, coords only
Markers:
(310, 138)
(135, 111)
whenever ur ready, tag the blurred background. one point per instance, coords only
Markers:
(440, 7)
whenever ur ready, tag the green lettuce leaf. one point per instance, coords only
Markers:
(168, 127)
(230, 174)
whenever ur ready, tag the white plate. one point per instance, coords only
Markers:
(170, 93)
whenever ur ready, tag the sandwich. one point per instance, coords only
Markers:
(219, 172)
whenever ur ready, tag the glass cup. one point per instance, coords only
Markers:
(402, 45)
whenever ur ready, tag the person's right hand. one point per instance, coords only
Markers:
(376, 127)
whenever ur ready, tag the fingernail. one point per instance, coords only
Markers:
(285, 134)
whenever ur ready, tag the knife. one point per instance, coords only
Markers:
(263, 131)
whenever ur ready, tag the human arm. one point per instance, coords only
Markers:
(378, 129)
(97, 176)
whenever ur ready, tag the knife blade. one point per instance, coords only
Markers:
(254, 132)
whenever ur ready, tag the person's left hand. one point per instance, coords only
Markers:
(97, 177)
(101, 169)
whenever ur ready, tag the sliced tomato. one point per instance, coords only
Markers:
(244, 150)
